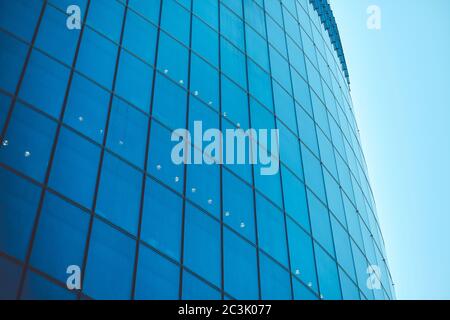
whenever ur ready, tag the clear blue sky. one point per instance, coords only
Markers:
(400, 80)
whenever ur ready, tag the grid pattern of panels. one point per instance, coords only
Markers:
(86, 118)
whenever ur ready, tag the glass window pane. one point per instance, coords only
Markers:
(202, 245)
(87, 108)
(38, 288)
(169, 103)
(271, 230)
(320, 223)
(275, 281)
(12, 58)
(18, 205)
(127, 133)
(302, 255)
(20, 17)
(328, 275)
(238, 206)
(160, 163)
(44, 84)
(205, 41)
(55, 38)
(207, 10)
(29, 141)
(106, 16)
(301, 292)
(231, 27)
(240, 267)
(204, 81)
(313, 173)
(233, 63)
(111, 253)
(140, 35)
(60, 238)
(75, 167)
(196, 289)
(149, 9)
(173, 59)
(295, 202)
(157, 278)
(175, 20)
(9, 278)
(97, 58)
(161, 221)
(235, 103)
(119, 194)
(134, 71)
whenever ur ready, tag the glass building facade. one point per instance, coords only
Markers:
(86, 177)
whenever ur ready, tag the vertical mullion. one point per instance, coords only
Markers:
(183, 214)
(253, 166)
(300, 147)
(221, 154)
(144, 176)
(22, 73)
(323, 181)
(276, 127)
(53, 150)
(102, 154)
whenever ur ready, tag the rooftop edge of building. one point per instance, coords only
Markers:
(327, 18)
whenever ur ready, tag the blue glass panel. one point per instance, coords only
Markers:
(149, 9)
(233, 63)
(173, 59)
(20, 17)
(196, 289)
(4, 108)
(240, 267)
(111, 253)
(75, 168)
(119, 192)
(320, 223)
(127, 133)
(295, 202)
(44, 84)
(87, 108)
(275, 281)
(205, 41)
(204, 81)
(132, 70)
(106, 17)
(157, 278)
(12, 58)
(160, 163)
(271, 230)
(161, 221)
(60, 238)
(231, 27)
(238, 206)
(140, 35)
(29, 140)
(37, 287)
(18, 205)
(55, 38)
(97, 58)
(328, 275)
(202, 245)
(169, 103)
(9, 278)
(301, 292)
(302, 255)
(175, 20)
(313, 173)
(207, 10)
